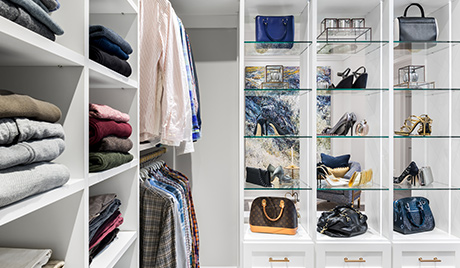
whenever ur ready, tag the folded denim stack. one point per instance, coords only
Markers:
(108, 138)
(104, 220)
(33, 15)
(29, 140)
(109, 49)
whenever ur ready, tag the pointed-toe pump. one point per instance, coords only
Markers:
(341, 128)
(261, 127)
(408, 176)
(347, 79)
(360, 78)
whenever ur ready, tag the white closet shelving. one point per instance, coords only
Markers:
(61, 72)
(384, 107)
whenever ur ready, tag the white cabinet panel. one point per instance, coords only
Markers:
(294, 255)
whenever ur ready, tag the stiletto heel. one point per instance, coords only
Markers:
(409, 125)
(408, 176)
(261, 127)
(277, 129)
(425, 130)
(361, 78)
(347, 80)
(345, 123)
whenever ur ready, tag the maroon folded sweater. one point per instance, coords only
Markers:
(98, 129)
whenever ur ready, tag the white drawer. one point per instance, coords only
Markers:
(428, 259)
(354, 259)
(274, 255)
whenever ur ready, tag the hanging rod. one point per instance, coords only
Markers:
(154, 153)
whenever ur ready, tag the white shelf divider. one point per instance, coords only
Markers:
(98, 177)
(23, 47)
(113, 6)
(33, 203)
(109, 257)
(102, 77)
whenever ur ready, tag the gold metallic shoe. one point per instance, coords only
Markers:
(412, 122)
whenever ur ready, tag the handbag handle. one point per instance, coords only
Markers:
(268, 34)
(264, 204)
(415, 4)
(422, 215)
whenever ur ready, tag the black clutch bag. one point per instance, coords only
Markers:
(258, 176)
(342, 221)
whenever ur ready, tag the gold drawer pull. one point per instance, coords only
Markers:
(358, 260)
(272, 260)
(435, 259)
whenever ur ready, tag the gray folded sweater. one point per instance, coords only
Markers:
(20, 182)
(24, 258)
(28, 152)
(14, 130)
(37, 12)
(21, 17)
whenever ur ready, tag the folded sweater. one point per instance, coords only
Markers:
(98, 129)
(24, 258)
(103, 244)
(37, 12)
(102, 161)
(107, 230)
(103, 216)
(101, 228)
(51, 5)
(15, 105)
(101, 31)
(102, 111)
(21, 17)
(112, 62)
(99, 203)
(112, 144)
(28, 152)
(55, 264)
(19, 182)
(108, 46)
(15, 130)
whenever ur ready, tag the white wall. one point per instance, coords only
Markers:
(213, 167)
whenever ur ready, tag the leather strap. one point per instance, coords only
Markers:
(420, 210)
(268, 34)
(415, 4)
(264, 204)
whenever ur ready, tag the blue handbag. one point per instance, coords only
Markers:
(275, 29)
(412, 215)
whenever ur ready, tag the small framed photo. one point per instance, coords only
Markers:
(274, 73)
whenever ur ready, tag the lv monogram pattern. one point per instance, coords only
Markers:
(287, 220)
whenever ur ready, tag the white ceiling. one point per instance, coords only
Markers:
(205, 7)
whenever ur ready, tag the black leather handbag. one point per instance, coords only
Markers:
(342, 221)
(258, 176)
(417, 28)
(412, 215)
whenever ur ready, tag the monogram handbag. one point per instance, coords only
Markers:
(412, 215)
(425, 176)
(276, 215)
(258, 176)
(275, 29)
(416, 28)
(342, 221)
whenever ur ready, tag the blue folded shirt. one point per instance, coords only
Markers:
(101, 31)
(108, 46)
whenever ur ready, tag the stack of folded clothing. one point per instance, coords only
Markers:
(109, 49)
(33, 14)
(104, 220)
(108, 138)
(29, 140)
(28, 258)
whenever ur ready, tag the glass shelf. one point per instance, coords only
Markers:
(321, 136)
(278, 137)
(297, 185)
(278, 92)
(342, 34)
(354, 90)
(254, 48)
(369, 187)
(434, 186)
(425, 48)
(427, 89)
(348, 47)
(426, 137)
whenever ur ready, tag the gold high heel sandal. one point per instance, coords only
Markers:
(412, 122)
(360, 178)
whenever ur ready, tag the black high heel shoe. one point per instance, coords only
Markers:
(277, 129)
(344, 124)
(261, 127)
(347, 80)
(361, 78)
(409, 175)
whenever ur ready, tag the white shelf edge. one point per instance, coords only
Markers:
(36, 202)
(99, 71)
(38, 45)
(115, 251)
(146, 146)
(301, 236)
(436, 235)
(370, 236)
(115, 7)
(98, 177)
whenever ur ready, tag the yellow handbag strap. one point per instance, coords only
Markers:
(264, 204)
